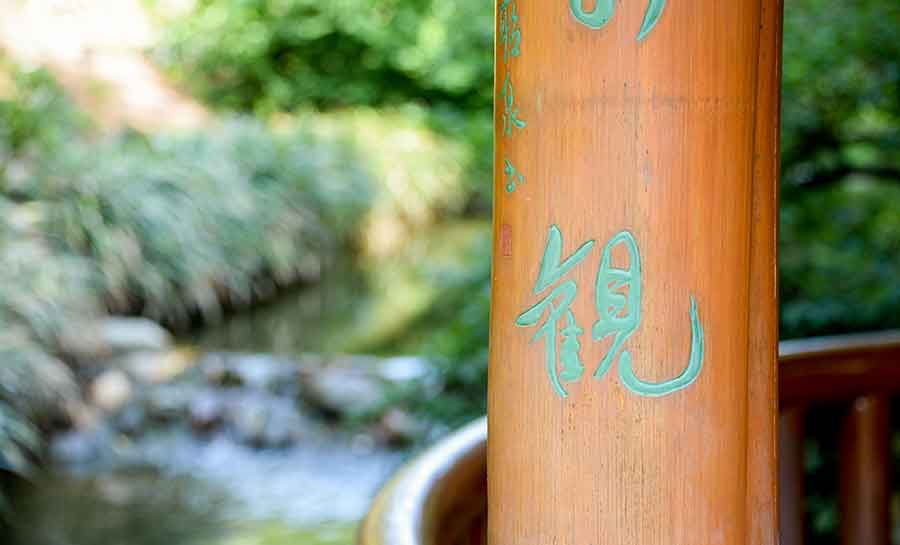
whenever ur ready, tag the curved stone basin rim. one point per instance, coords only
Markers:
(437, 499)
(440, 497)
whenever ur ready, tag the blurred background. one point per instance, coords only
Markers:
(245, 250)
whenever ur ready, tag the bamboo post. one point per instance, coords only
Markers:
(865, 472)
(632, 392)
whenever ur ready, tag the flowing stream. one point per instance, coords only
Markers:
(170, 485)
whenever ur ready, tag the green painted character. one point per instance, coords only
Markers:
(619, 313)
(690, 374)
(513, 176)
(558, 302)
(511, 111)
(604, 10)
(598, 18)
(618, 297)
(510, 30)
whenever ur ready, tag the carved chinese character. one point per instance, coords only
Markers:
(513, 176)
(605, 9)
(511, 111)
(558, 303)
(617, 294)
(510, 30)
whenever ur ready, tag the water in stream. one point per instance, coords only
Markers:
(173, 486)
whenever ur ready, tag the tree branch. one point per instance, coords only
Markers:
(833, 176)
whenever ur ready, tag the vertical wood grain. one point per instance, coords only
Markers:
(792, 503)
(865, 472)
(762, 418)
(673, 138)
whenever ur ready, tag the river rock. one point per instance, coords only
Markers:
(132, 334)
(250, 423)
(412, 375)
(131, 419)
(346, 390)
(405, 369)
(207, 411)
(155, 367)
(216, 370)
(399, 427)
(91, 341)
(265, 421)
(81, 342)
(169, 402)
(111, 390)
(263, 372)
(284, 427)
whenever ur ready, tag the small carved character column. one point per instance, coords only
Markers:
(632, 395)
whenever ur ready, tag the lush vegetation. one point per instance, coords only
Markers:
(286, 54)
(275, 56)
(840, 248)
(173, 227)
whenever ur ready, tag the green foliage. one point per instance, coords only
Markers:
(841, 92)
(170, 226)
(454, 331)
(36, 120)
(18, 439)
(36, 115)
(840, 259)
(418, 174)
(269, 56)
(177, 224)
(37, 292)
(841, 163)
(277, 55)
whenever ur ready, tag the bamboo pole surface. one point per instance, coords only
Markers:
(632, 333)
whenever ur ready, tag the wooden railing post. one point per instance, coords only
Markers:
(791, 476)
(865, 472)
(632, 392)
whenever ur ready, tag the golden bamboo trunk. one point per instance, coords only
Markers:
(632, 392)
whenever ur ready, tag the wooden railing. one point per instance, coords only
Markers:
(861, 372)
(439, 498)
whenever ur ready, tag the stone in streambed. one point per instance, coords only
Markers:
(266, 421)
(111, 336)
(111, 390)
(156, 367)
(345, 390)
(399, 427)
(263, 372)
(207, 411)
(169, 402)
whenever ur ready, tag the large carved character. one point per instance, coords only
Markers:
(605, 9)
(603, 12)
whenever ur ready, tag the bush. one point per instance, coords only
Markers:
(170, 226)
(38, 288)
(177, 224)
(38, 291)
(841, 92)
(841, 166)
(270, 56)
(36, 120)
(418, 175)
(840, 260)
(277, 55)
